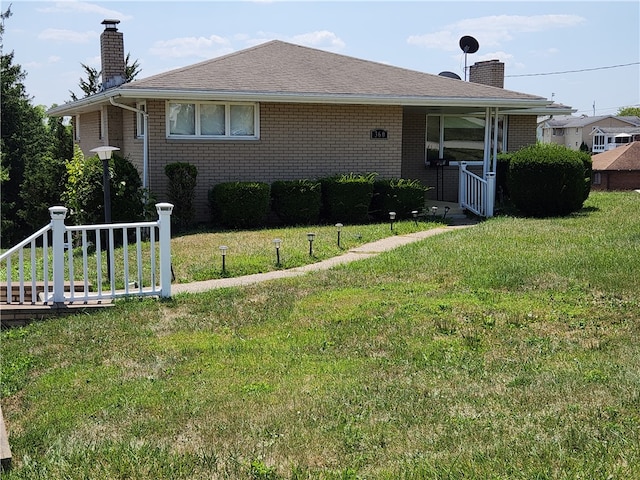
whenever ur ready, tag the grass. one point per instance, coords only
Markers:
(196, 256)
(504, 351)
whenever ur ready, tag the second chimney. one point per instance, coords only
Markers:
(489, 73)
(112, 55)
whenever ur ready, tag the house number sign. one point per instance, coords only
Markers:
(379, 134)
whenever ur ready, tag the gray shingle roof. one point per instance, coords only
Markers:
(278, 67)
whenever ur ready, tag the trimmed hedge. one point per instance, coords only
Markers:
(547, 180)
(182, 185)
(397, 195)
(240, 204)
(297, 202)
(346, 198)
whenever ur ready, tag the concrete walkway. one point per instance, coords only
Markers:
(363, 251)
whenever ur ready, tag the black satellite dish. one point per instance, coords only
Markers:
(450, 75)
(468, 44)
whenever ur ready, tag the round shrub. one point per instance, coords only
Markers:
(240, 204)
(346, 198)
(296, 202)
(397, 195)
(547, 180)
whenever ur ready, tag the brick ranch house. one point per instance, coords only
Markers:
(617, 169)
(279, 111)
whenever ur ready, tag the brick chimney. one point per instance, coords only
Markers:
(489, 73)
(112, 55)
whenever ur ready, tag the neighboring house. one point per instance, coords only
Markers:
(279, 111)
(617, 169)
(572, 131)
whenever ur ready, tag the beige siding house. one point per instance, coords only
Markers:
(280, 111)
(599, 133)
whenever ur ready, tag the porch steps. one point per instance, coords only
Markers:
(16, 315)
(28, 290)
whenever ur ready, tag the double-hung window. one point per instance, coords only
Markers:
(215, 120)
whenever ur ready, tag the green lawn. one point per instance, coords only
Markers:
(504, 351)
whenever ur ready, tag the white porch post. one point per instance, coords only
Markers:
(164, 221)
(496, 131)
(58, 214)
(487, 143)
(490, 192)
(462, 191)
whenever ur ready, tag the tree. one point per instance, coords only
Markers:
(628, 112)
(92, 83)
(25, 141)
(33, 152)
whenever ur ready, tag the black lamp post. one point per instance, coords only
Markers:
(339, 228)
(415, 217)
(223, 251)
(392, 217)
(104, 154)
(311, 236)
(277, 242)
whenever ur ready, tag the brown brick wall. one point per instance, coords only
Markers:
(296, 141)
(112, 55)
(489, 73)
(521, 131)
(89, 133)
(615, 180)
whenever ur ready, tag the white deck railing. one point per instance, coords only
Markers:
(476, 193)
(60, 264)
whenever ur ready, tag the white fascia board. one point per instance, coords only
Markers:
(529, 106)
(334, 99)
(83, 105)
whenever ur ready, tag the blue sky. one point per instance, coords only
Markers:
(596, 43)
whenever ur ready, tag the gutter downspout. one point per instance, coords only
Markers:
(145, 144)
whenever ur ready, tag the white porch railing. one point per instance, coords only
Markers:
(476, 193)
(62, 263)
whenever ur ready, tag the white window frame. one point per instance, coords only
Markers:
(102, 134)
(502, 117)
(227, 135)
(76, 128)
(140, 119)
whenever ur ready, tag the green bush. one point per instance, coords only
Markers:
(239, 204)
(547, 180)
(397, 195)
(502, 174)
(587, 163)
(182, 185)
(297, 202)
(84, 194)
(346, 198)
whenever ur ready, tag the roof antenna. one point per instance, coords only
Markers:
(468, 44)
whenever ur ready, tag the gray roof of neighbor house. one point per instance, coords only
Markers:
(568, 121)
(626, 157)
(278, 71)
(616, 130)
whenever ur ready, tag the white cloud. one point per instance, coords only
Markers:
(492, 31)
(202, 47)
(60, 35)
(319, 39)
(53, 59)
(85, 7)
